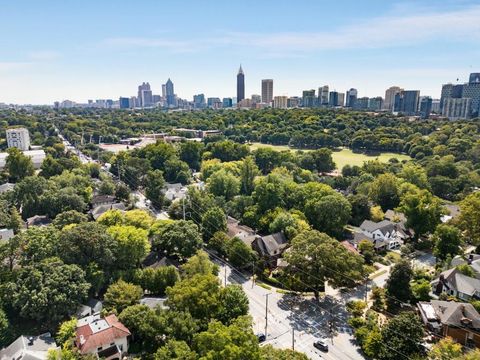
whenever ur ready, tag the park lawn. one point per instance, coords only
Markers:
(344, 156)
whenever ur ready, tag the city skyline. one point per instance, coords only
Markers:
(369, 46)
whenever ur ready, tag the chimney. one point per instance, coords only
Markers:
(82, 340)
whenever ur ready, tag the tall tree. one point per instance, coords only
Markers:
(212, 221)
(398, 284)
(469, 219)
(409, 344)
(447, 240)
(384, 191)
(327, 260)
(18, 165)
(180, 238)
(154, 188)
(329, 214)
(121, 295)
(422, 210)
(248, 171)
(49, 291)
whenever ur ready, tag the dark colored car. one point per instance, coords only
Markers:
(261, 338)
(321, 345)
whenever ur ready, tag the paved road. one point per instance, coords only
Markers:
(306, 316)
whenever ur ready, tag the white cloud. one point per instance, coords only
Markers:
(10, 66)
(381, 32)
(43, 55)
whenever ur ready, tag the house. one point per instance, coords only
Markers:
(106, 338)
(243, 232)
(453, 282)
(5, 235)
(347, 245)
(473, 260)
(102, 209)
(29, 348)
(92, 306)
(270, 247)
(98, 200)
(6, 187)
(38, 220)
(386, 235)
(154, 260)
(460, 321)
(175, 191)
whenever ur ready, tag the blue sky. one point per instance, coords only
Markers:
(85, 49)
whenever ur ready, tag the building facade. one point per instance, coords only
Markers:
(323, 95)
(352, 95)
(308, 98)
(18, 138)
(240, 85)
(170, 93)
(390, 94)
(267, 91)
(280, 102)
(456, 109)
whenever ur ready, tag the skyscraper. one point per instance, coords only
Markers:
(199, 101)
(336, 99)
(407, 102)
(351, 97)
(323, 93)
(170, 93)
(124, 103)
(145, 96)
(308, 98)
(425, 106)
(240, 85)
(267, 91)
(390, 93)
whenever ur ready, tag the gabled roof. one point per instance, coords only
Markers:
(38, 220)
(29, 348)
(272, 244)
(102, 209)
(384, 226)
(95, 332)
(243, 232)
(460, 282)
(102, 199)
(451, 313)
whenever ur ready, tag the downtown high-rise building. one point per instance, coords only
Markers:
(390, 93)
(406, 102)
(240, 85)
(124, 103)
(336, 99)
(308, 98)
(170, 93)
(351, 97)
(199, 101)
(280, 102)
(323, 95)
(145, 96)
(470, 92)
(267, 91)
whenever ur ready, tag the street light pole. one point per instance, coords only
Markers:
(253, 273)
(366, 288)
(266, 314)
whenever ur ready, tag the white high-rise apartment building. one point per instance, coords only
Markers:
(280, 102)
(19, 138)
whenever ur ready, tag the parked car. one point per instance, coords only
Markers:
(261, 337)
(321, 345)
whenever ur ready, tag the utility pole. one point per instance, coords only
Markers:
(293, 339)
(183, 207)
(266, 315)
(225, 275)
(253, 273)
(366, 288)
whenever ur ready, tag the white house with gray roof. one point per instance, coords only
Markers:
(384, 234)
(453, 282)
(29, 348)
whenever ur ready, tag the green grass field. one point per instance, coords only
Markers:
(342, 157)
